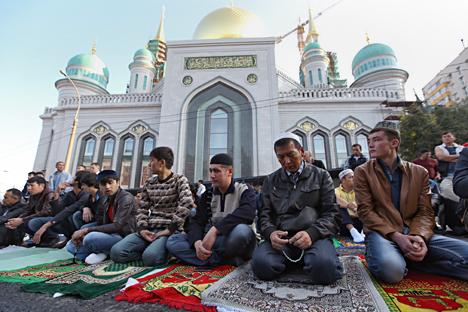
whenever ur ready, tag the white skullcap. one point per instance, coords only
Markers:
(288, 135)
(344, 173)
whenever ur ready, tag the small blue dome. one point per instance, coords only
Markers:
(371, 50)
(312, 45)
(91, 61)
(145, 52)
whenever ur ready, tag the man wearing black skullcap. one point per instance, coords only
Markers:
(231, 211)
(297, 218)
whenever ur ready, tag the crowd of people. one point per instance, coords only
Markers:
(289, 220)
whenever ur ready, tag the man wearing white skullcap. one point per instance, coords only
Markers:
(298, 216)
(351, 225)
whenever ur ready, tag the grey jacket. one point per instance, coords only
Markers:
(12, 211)
(309, 205)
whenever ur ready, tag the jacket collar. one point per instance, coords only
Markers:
(231, 189)
(306, 171)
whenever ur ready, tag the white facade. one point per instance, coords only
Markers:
(450, 84)
(218, 95)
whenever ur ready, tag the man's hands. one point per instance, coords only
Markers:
(14, 223)
(353, 207)
(38, 234)
(413, 247)
(87, 214)
(276, 240)
(78, 236)
(151, 237)
(301, 240)
(203, 248)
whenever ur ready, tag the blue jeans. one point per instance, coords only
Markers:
(79, 222)
(51, 232)
(241, 242)
(134, 247)
(445, 256)
(320, 261)
(94, 242)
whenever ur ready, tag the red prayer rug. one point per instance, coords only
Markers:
(421, 291)
(178, 286)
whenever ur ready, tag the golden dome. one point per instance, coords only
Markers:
(231, 22)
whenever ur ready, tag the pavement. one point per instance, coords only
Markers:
(13, 299)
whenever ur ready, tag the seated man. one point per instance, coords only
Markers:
(356, 159)
(38, 207)
(165, 204)
(51, 227)
(12, 207)
(394, 204)
(93, 244)
(231, 239)
(92, 213)
(351, 224)
(297, 218)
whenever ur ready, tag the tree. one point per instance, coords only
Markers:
(423, 127)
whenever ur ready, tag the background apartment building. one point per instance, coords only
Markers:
(450, 84)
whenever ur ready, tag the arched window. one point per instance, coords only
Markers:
(310, 78)
(107, 153)
(136, 81)
(144, 82)
(302, 139)
(320, 75)
(341, 150)
(319, 149)
(362, 140)
(145, 172)
(218, 132)
(88, 152)
(126, 160)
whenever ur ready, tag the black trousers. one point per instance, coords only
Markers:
(10, 237)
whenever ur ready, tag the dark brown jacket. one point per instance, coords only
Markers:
(375, 207)
(38, 205)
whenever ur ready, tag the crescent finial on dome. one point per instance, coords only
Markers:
(93, 50)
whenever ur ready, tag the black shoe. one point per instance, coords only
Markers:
(61, 244)
(48, 242)
(438, 230)
(29, 244)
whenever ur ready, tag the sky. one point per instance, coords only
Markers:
(39, 37)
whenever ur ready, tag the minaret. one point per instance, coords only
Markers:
(313, 35)
(158, 47)
(314, 65)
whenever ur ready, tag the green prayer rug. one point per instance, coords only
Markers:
(39, 273)
(90, 281)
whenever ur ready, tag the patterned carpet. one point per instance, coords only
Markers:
(241, 291)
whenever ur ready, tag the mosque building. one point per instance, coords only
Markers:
(219, 92)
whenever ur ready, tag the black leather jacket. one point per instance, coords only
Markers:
(124, 212)
(309, 205)
(460, 179)
(14, 211)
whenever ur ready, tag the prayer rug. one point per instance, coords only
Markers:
(421, 291)
(242, 291)
(39, 273)
(347, 247)
(178, 286)
(90, 281)
(19, 259)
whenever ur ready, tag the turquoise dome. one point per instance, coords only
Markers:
(145, 52)
(371, 50)
(91, 61)
(312, 45)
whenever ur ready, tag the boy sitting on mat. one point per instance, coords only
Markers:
(93, 244)
(165, 203)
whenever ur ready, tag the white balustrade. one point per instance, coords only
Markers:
(114, 99)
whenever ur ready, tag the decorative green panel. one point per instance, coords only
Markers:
(215, 62)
